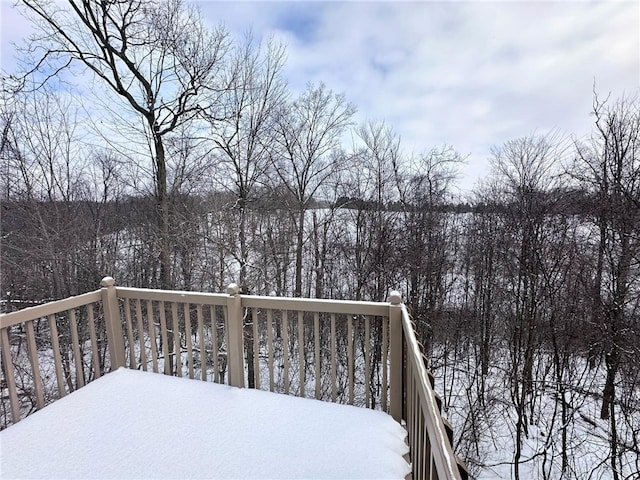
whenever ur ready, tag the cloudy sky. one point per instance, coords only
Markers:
(467, 74)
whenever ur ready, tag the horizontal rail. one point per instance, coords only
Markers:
(172, 296)
(256, 301)
(441, 451)
(316, 305)
(51, 308)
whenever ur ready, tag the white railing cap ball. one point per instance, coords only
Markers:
(395, 297)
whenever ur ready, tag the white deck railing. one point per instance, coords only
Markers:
(359, 353)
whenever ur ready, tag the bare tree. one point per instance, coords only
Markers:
(244, 136)
(44, 168)
(374, 173)
(525, 171)
(308, 135)
(425, 188)
(158, 57)
(609, 168)
(255, 91)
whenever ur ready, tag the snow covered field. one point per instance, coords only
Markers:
(132, 424)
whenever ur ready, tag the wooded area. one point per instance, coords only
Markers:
(184, 162)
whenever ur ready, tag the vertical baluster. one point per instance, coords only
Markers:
(35, 367)
(385, 361)
(432, 471)
(427, 470)
(152, 336)
(367, 362)
(55, 345)
(420, 460)
(416, 438)
(416, 409)
(141, 340)
(270, 349)
(411, 413)
(177, 344)
(350, 355)
(423, 456)
(203, 351)
(132, 349)
(94, 341)
(10, 375)
(285, 348)
(428, 459)
(316, 340)
(214, 343)
(418, 454)
(75, 340)
(256, 349)
(225, 312)
(188, 339)
(334, 347)
(165, 338)
(301, 356)
(409, 402)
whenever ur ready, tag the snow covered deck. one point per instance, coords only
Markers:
(132, 424)
(56, 359)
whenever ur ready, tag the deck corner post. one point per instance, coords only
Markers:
(235, 330)
(115, 337)
(395, 356)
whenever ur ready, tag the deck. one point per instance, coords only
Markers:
(132, 424)
(362, 354)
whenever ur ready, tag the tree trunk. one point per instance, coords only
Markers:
(299, 244)
(162, 202)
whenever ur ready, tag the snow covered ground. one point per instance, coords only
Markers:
(485, 430)
(132, 424)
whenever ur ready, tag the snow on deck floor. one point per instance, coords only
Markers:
(132, 424)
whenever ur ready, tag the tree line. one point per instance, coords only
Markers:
(189, 164)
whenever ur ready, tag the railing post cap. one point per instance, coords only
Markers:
(233, 289)
(108, 282)
(395, 297)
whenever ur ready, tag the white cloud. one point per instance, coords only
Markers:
(476, 74)
(470, 74)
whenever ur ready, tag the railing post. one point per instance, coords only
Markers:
(115, 338)
(235, 353)
(395, 356)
